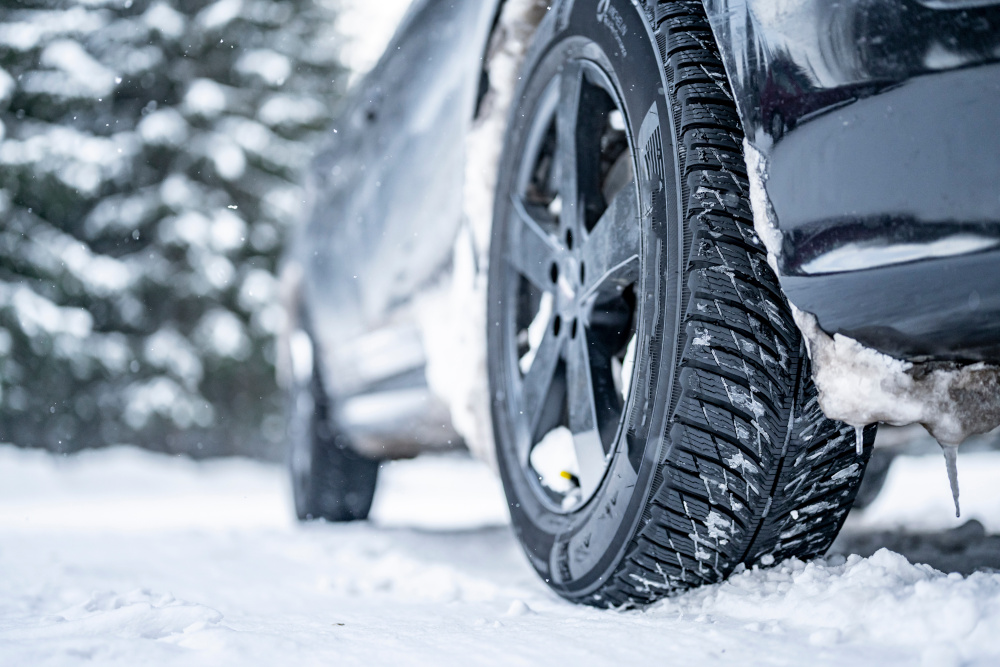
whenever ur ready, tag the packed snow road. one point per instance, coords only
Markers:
(122, 557)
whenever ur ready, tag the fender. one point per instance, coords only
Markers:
(386, 202)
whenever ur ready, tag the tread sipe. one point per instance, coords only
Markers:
(753, 469)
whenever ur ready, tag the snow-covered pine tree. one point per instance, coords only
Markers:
(150, 158)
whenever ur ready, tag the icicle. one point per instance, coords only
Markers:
(951, 460)
(859, 439)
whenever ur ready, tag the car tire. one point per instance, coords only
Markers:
(636, 335)
(330, 481)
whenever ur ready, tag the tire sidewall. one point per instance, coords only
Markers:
(577, 552)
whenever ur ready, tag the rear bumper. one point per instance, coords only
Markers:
(879, 124)
(943, 309)
(889, 209)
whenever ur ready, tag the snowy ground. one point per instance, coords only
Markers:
(122, 558)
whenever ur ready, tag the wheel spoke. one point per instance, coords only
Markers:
(567, 240)
(583, 415)
(610, 253)
(567, 158)
(538, 380)
(532, 250)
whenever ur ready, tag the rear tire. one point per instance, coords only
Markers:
(329, 480)
(636, 328)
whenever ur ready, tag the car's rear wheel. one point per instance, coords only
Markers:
(654, 419)
(330, 481)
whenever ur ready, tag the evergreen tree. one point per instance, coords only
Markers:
(150, 161)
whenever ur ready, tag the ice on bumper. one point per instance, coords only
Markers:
(860, 386)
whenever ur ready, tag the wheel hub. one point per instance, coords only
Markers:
(569, 296)
(574, 259)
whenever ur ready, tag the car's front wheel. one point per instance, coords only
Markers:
(654, 417)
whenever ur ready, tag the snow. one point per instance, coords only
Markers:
(227, 157)
(26, 35)
(554, 458)
(163, 396)
(7, 87)
(165, 127)
(205, 97)
(764, 219)
(290, 110)
(860, 386)
(38, 315)
(460, 377)
(102, 275)
(79, 160)
(228, 231)
(225, 232)
(364, 30)
(123, 557)
(259, 290)
(251, 136)
(940, 57)
(272, 67)
(221, 333)
(220, 14)
(169, 350)
(165, 19)
(189, 228)
(90, 77)
(536, 331)
(213, 270)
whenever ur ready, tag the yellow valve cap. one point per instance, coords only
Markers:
(565, 474)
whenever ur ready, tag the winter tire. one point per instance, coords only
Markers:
(655, 422)
(329, 480)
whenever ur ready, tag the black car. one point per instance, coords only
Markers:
(663, 263)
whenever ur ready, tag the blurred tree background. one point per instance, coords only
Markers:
(150, 163)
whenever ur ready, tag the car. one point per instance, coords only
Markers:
(663, 264)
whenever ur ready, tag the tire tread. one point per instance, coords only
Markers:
(752, 466)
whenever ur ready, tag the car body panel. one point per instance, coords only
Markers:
(386, 204)
(879, 124)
